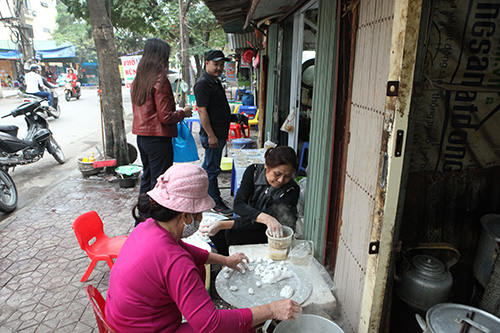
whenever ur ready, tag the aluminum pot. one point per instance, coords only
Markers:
(487, 249)
(423, 280)
(307, 323)
(450, 317)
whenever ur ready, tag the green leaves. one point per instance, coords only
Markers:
(136, 20)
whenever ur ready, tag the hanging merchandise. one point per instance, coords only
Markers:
(246, 58)
(256, 61)
(248, 55)
(289, 123)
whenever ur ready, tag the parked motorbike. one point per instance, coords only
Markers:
(69, 92)
(19, 151)
(55, 111)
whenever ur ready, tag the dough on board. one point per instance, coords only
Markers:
(287, 292)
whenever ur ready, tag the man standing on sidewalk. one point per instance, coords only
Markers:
(215, 116)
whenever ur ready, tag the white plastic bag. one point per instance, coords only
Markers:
(289, 124)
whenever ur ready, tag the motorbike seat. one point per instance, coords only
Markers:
(9, 129)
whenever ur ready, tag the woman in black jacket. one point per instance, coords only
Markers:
(267, 199)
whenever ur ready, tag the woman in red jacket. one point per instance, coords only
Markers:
(72, 76)
(155, 116)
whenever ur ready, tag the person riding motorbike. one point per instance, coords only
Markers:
(74, 78)
(34, 83)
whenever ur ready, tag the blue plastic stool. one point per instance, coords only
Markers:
(301, 166)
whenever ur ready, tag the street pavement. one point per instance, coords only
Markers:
(41, 263)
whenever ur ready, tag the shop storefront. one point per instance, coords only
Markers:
(352, 105)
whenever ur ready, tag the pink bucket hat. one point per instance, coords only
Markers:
(183, 188)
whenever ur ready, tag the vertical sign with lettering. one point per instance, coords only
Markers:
(231, 71)
(129, 65)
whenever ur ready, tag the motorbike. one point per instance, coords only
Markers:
(69, 92)
(19, 151)
(54, 112)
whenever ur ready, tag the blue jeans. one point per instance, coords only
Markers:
(211, 165)
(43, 94)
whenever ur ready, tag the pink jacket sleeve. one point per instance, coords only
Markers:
(188, 292)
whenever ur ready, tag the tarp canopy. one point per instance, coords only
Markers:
(46, 50)
(10, 54)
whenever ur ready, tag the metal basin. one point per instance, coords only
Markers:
(308, 323)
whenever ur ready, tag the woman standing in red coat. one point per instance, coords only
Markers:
(155, 115)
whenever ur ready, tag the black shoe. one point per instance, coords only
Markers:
(222, 209)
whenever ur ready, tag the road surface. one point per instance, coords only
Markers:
(77, 130)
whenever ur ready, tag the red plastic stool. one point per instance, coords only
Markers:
(234, 132)
(246, 131)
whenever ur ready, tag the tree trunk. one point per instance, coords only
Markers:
(199, 67)
(109, 81)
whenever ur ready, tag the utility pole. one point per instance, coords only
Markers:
(21, 35)
(185, 63)
(26, 47)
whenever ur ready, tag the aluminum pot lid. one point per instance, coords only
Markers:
(450, 317)
(428, 264)
(491, 223)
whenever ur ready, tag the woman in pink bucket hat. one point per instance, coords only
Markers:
(157, 278)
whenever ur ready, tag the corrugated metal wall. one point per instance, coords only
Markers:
(371, 70)
(240, 41)
(322, 124)
(272, 41)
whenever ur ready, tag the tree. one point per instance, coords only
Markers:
(134, 21)
(109, 80)
(76, 31)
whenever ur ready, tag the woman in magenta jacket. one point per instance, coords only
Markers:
(155, 116)
(157, 278)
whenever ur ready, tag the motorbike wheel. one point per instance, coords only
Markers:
(8, 193)
(67, 95)
(57, 113)
(56, 151)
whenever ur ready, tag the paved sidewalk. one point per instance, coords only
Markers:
(41, 263)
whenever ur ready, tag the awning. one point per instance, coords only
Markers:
(10, 54)
(234, 15)
(45, 50)
(52, 51)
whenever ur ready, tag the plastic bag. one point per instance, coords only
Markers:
(289, 123)
(184, 146)
(302, 197)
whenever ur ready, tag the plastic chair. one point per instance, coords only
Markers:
(249, 110)
(301, 163)
(88, 227)
(98, 303)
(254, 121)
